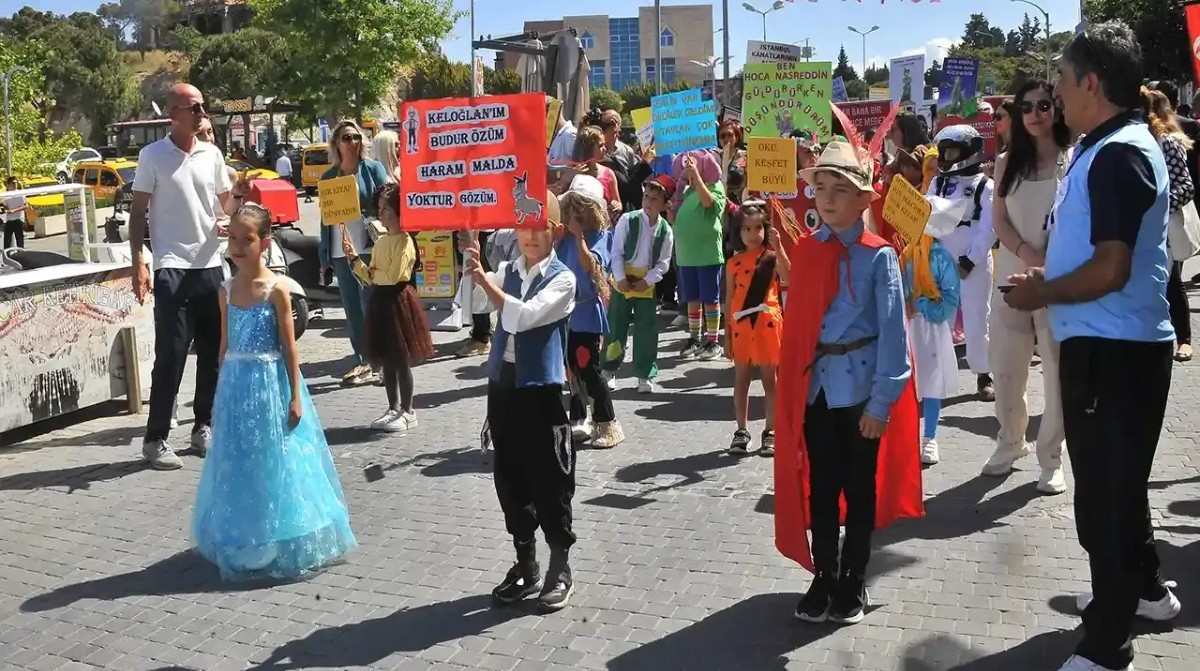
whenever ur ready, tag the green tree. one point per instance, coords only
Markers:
(347, 53)
(237, 65)
(876, 75)
(83, 70)
(858, 90)
(34, 149)
(1160, 29)
(499, 82)
(933, 76)
(438, 77)
(844, 69)
(604, 98)
(978, 33)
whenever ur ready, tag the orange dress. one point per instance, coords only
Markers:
(755, 343)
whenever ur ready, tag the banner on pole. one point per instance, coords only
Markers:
(906, 79)
(1192, 14)
(960, 86)
(783, 97)
(840, 94)
(773, 52)
(866, 114)
(464, 164)
(683, 121)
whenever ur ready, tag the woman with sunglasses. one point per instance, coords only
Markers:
(1003, 116)
(1027, 176)
(351, 152)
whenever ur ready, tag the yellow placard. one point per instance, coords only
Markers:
(553, 106)
(906, 209)
(339, 200)
(771, 164)
(643, 125)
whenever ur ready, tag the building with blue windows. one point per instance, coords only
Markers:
(621, 51)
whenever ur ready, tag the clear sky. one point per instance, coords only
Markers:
(905, 27)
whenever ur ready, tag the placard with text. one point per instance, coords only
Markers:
(463, 164)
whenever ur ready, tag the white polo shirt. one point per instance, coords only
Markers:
(283, 166)
(185, 191)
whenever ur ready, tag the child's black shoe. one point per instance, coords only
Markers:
(522, 581)
(849, 601)
(692, 347)
(741, 442)
(814, 606)
(768, 444)
(556, 594)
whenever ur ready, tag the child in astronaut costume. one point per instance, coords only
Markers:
(960, 180)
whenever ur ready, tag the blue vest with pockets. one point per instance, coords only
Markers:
(540, 354)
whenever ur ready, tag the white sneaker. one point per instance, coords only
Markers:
(174, 421)
(1052, 481)
(680, 320)
(410, 419)
(202, 440)
(396, 424)
(581, 430)
(646, 386)
(929, 452)
(1002, 460)
(1077, 663)
(1163, 610)
(610, 380)
(159, 455)
(385, 418)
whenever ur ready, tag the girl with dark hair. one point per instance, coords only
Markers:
(1028, 175)
(908, 133)
(755, 314)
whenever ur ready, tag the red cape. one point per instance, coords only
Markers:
(898, 482)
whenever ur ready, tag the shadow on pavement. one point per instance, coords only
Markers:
(941, 652)
(691, 468)
(756, 633)
(183, 573)
(76, 477)
(25, 437)
(961, 511)
(364, 643)
(353, 435)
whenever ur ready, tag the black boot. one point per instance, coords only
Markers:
(522, 580)
(987, 390)
(849, 600)
(814, 606)
(559, 585)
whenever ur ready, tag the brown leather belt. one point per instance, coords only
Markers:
(839, 349)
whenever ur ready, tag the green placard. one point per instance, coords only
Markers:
(781, 97)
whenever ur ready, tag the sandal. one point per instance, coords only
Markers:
(1184, 353)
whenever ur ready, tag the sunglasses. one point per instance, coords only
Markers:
(351, 138)
(195, 108)
(1042, 106)
(999, 116)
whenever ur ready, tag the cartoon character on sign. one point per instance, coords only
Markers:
(523, 205)
(411, 125)
(784, 123)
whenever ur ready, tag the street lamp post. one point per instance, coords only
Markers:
(778, 5)
(1046, 15)
(808, 51)
(8, 118)
(725, 48)
(658, 47)
(864, 38)
(710, 67)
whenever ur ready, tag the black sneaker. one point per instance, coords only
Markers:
(741, 442)
(691, 348)
(768, 444)
(849, 602)
(987, 390)
(711, 350)
(556, 594)
(521, 582)
(814, 607)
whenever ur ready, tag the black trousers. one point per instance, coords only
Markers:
(841, 463)
(186, 308)
(534, 459)
(14, 232)
(583, 358)
(1177, 298)
(664, 291)
(481, 324)
(1114, 396)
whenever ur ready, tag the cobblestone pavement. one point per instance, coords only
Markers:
(676, 564)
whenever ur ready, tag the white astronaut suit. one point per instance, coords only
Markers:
(971, 244)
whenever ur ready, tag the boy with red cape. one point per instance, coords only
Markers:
(847, 430)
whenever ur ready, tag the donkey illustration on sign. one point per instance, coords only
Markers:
(523, 204)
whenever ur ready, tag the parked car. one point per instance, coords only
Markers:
(62, 171)
(104, 178)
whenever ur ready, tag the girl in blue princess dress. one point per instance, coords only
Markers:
(269, 503)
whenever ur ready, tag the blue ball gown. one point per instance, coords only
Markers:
(269, 504)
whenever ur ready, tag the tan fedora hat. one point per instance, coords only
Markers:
(840, 158)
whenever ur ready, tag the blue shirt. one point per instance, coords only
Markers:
(589, 315)
(945, 276)
(1116, 190)
(869, 303)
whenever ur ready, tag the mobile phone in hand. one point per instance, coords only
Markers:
(1005, 288)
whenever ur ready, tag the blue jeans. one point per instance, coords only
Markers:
(354, 301)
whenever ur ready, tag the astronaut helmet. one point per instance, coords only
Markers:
(959, 150)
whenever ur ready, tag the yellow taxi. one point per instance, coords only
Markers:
(104, 178)
(314, 161)
(251, 173)
(30, 182)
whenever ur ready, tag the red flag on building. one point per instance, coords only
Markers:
(1192, 14)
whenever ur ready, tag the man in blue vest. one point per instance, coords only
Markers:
(1105, 284)
(534, 462)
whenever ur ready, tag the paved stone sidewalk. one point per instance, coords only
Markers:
(676, 564)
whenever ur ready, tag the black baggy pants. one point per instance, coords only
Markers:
(841, 463)
(584, 358)
(14, 234)
(1114, 396)
(186, 309)
(534, 460)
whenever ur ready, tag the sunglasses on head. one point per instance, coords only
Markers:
(1029, 106)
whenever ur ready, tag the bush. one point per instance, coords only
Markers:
(53, 210)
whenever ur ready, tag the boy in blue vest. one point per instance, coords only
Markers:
(534, 462)
(641, 255)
